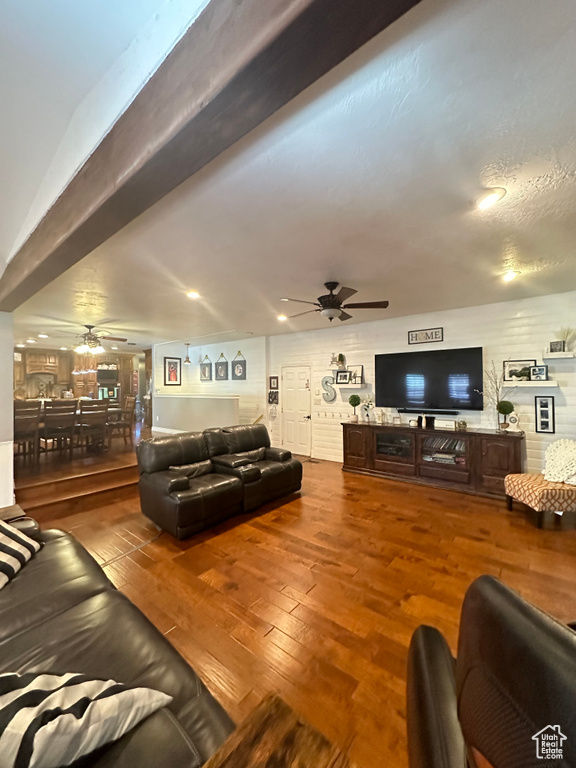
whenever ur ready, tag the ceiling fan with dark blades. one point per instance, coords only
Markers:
(332, 305)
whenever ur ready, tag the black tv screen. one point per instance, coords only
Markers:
(440, 380)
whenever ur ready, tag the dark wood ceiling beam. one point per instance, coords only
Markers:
(238, 63)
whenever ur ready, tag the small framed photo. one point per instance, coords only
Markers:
(545, 415)
(517, 370)
(172, 371)
(538, 373)
(273, 397)
(205, 371)
(342, 377)
(238, 369)
(356, 374)
(221, 370)
(558, 346)
(273, 382)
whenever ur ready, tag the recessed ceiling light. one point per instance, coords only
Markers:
(193, 295)
(42, 335)
(63, 349)
(284, 299)
(510, 275)
(20, 346)
(30, 341)
(490, 198)
(113, 347)
(282, 318)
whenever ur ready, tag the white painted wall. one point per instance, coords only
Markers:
(6, 413)
(252, 391)
(509, 330)
(110, 97)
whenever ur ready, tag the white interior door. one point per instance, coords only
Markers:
(295, 407)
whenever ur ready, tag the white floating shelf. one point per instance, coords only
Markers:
(541, 384)
(349, 386)
(557, 355)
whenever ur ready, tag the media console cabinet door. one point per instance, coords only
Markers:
(356, 446)
(394, 451)
(499, 456)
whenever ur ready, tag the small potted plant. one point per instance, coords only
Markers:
(505, 407)
(354, 401)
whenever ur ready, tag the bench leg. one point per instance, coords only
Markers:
(509, 501)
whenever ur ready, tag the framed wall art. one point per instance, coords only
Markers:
(517, 370)
(356, 374)
(538, 373)
(273, 397)
(221, 369)
(205, 371)
(545, 416)
(342, 377)
(239, 367)
(273, 382)
(172, 371)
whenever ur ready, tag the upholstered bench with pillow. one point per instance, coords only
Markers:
(541, 495)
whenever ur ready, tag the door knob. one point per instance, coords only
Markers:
(308, 417)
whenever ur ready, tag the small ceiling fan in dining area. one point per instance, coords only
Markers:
(91, 343)
(332, 305)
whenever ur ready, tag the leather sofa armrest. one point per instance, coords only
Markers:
(27, 525)
(248, 473)
(166, 481)
(230, 460)
(435, 739)
(278, 454)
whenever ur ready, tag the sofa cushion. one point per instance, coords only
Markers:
(52, 720)
(193, 470)
(61, 575)
(258, 454)
(159, 453)
(246, 437)
(16, 549)
(207, 497)
(106, 636)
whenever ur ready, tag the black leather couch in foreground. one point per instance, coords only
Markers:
(194, 480)
(509, 697)
(61, 614)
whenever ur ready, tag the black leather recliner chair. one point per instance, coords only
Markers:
(507, 698)
(194, 480)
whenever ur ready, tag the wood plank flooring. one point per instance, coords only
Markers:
(315, 597)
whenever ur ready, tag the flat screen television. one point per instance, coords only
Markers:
(439, 380)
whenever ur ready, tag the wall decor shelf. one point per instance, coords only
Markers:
(471, 461)
(344, 386)
(557, 355)
(534, 384)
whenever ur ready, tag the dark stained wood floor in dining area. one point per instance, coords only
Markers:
(315, 597)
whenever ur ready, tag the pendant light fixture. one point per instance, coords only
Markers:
(187, 360)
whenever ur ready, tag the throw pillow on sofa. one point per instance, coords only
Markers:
(47, 721)
(15, 550)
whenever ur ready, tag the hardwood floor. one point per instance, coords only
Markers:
(315, 597)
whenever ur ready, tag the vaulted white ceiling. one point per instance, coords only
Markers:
(51, 55)
(369, 178)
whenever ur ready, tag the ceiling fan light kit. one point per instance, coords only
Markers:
(331, 305)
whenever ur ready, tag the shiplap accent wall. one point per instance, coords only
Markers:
(252, 391)
(509, 330)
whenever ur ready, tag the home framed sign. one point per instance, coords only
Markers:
(425, 335)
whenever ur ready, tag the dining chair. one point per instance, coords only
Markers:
(59, 425)
(26, 430)
(123, 423)
(92, 426)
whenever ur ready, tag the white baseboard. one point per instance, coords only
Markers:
(167, 431)
(6, 473)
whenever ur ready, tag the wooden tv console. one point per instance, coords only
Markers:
(472, 461)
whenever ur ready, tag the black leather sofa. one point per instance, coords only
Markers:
(507, 696)
(61, 614)
(194, 480)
